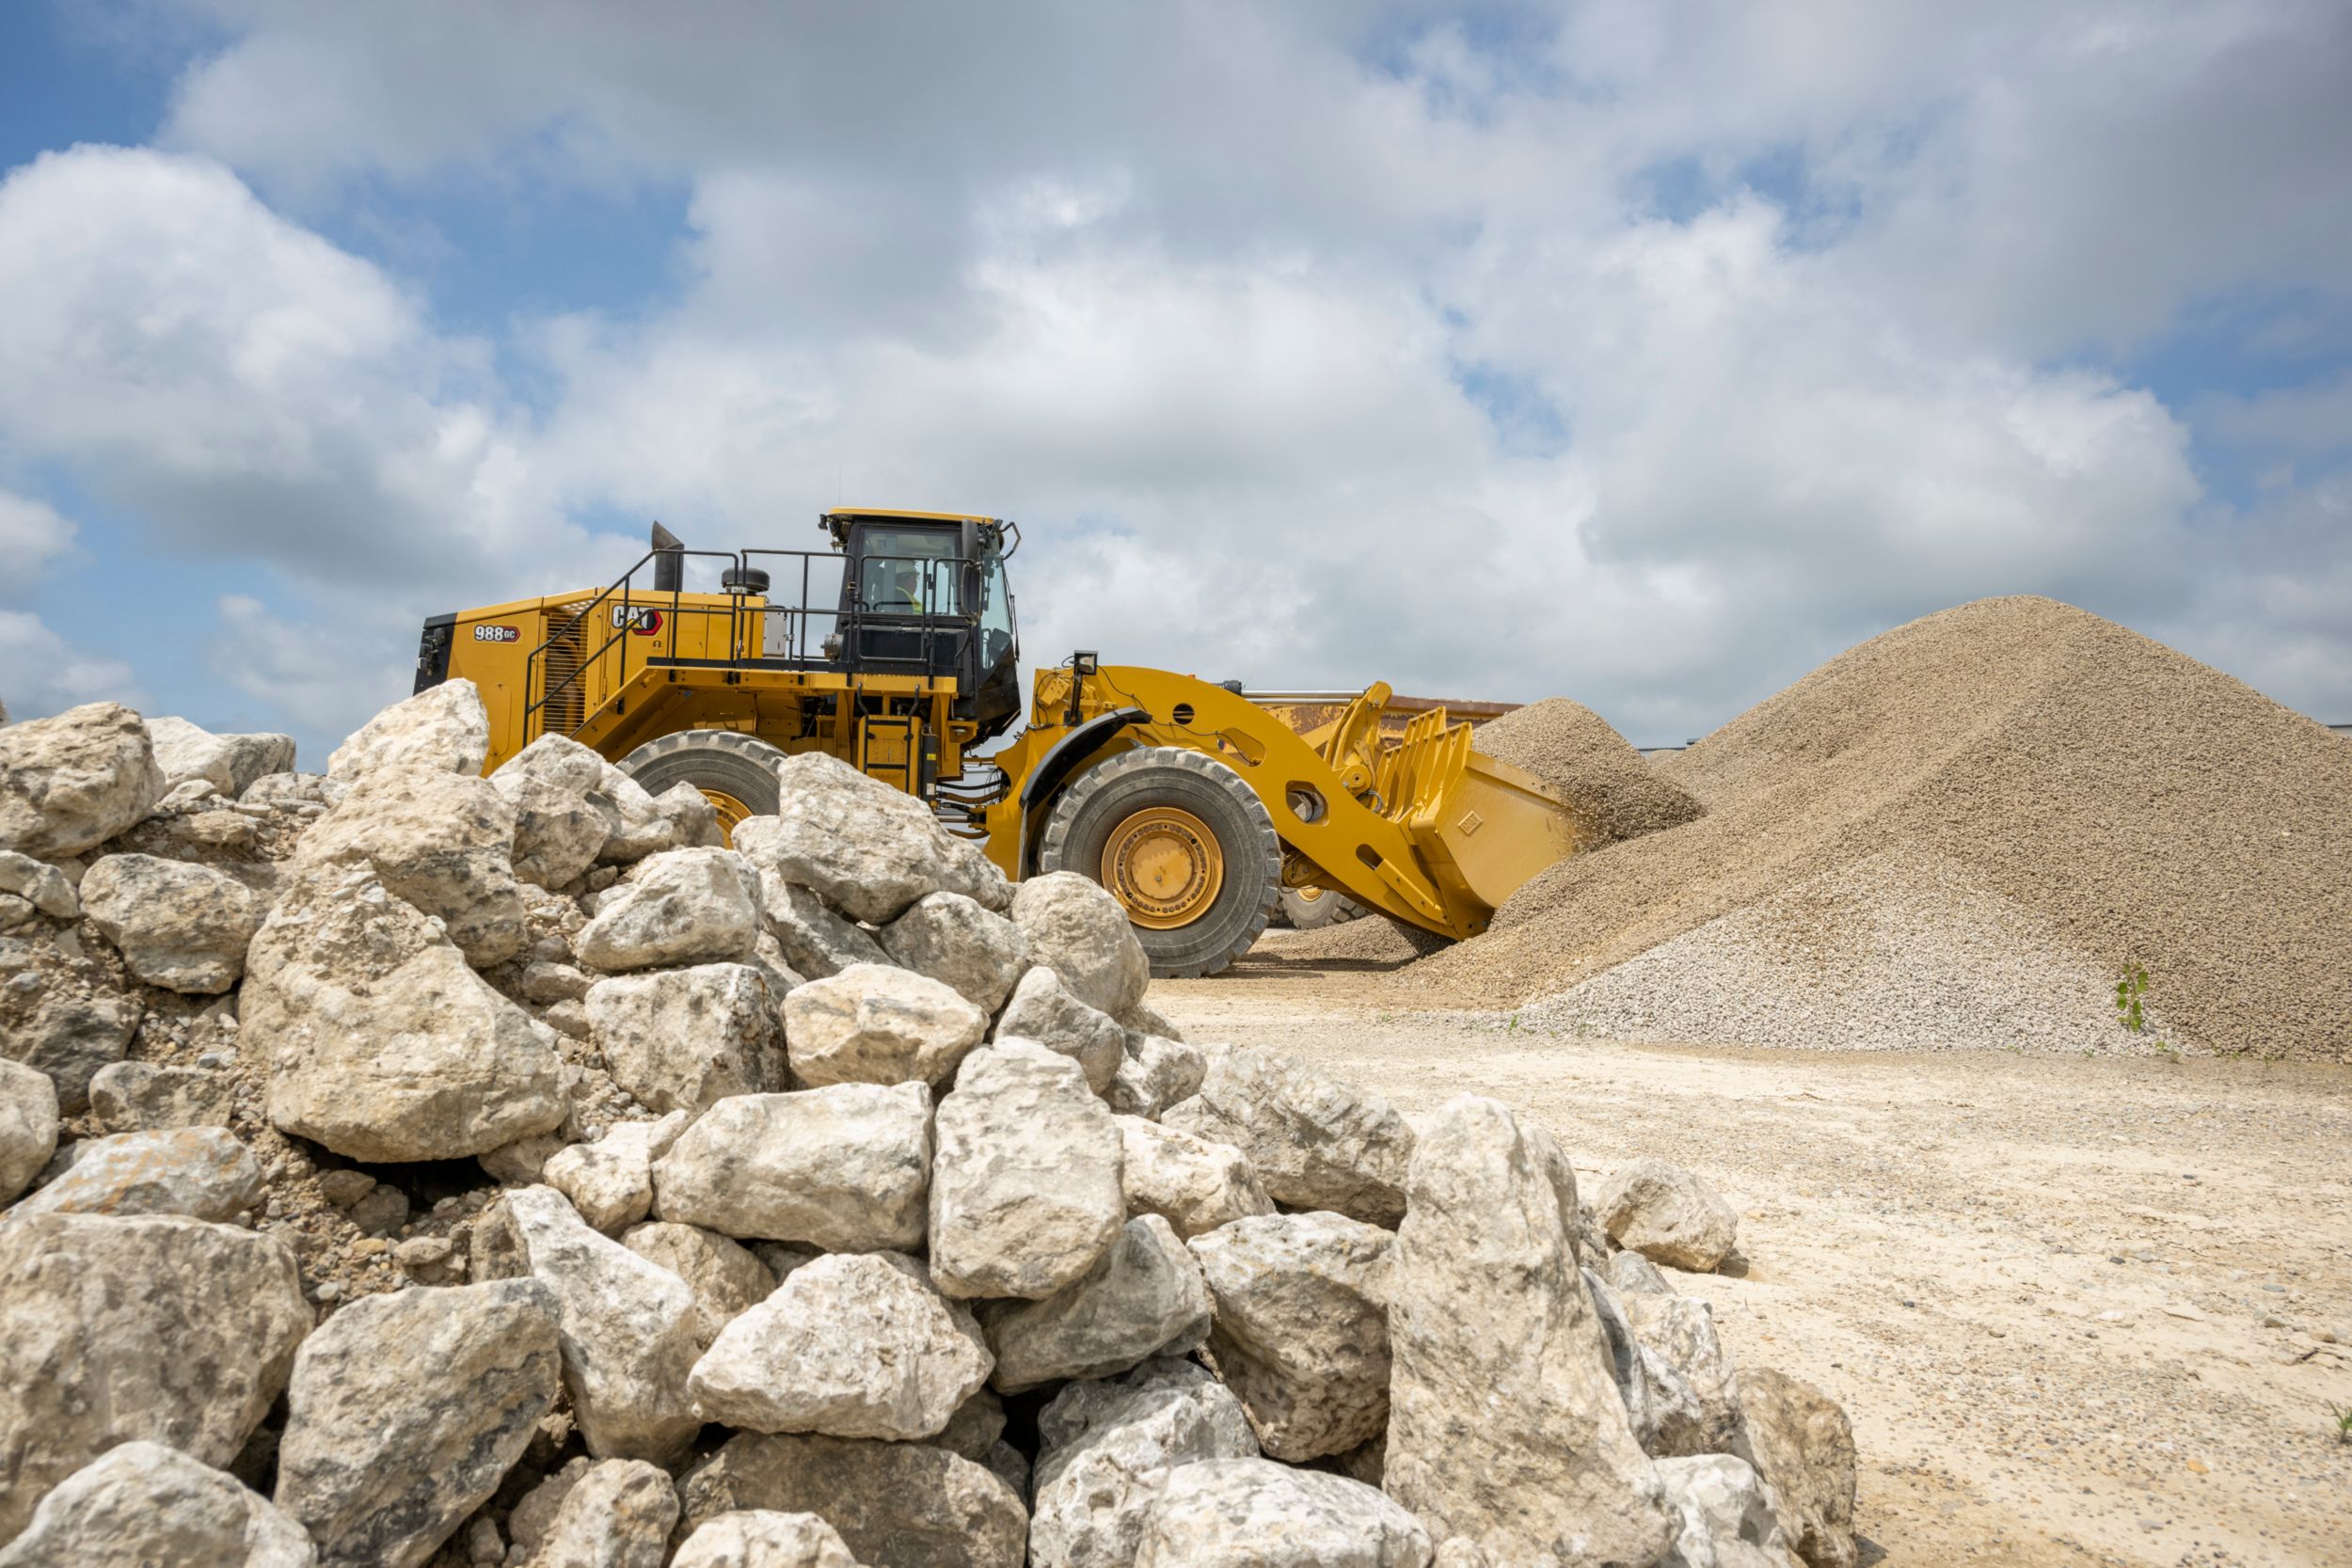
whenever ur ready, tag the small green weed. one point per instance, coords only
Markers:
(2344, 1422)
(2128, 991)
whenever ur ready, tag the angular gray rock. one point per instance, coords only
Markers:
(87, 1302)
(385, 1044)
(1802, 1444)
(1083, 934)
(557, 760)
(71, 783)
(1144, 1297)
(443, 729)
(693, 906)
(1025, 1193)
(28, 1126)
(406, 1409)
(852, 1345)
(39, 884)
(815, 939)
(1256, 1513)
(438, 841)
(143, 1505)
(1668, 1215)
(1314, 1142)
(1302, 1327)
(1040, 1009)
(727, 1278)
(1659, 1404)
(1154, 1073)
(182, 926)
(686, 1039)
(763, 1538)
(618, 1513)
(559, 833)
(202, 1172)
(611, 1180)
(640, 826)
(1106, 1451)
(146, 1097)
(627, 1327)
(1724, 1516)
(62, 1016)
(845, 1168)
(231, 763)
(976, 952)
(1680, 1331)
(897, 1505)
(1192, 1183)
(872, 1024)
(870, 851)
(1505, 1425)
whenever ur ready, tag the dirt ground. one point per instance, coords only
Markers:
(2081, 1311)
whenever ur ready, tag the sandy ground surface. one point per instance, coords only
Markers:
(2081, 1311)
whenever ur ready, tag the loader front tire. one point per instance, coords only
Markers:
(736, 773)
(1179, 840)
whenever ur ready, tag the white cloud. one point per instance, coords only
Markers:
(42, 674)
(34, 539)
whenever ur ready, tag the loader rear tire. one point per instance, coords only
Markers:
(1186, 811)
(736, 773)
(1312, 908)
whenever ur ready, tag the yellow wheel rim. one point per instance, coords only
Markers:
(1164, 865)
(731, 811)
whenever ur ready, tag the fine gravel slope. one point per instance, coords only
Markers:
(2056, 794)
(1593, 768)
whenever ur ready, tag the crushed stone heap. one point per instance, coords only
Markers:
(1962, 834)
(402, 1167)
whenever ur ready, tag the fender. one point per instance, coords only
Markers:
(1062, 760)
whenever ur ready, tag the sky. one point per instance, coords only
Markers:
(1639, 352)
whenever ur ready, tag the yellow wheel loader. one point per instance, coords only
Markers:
(896, 650)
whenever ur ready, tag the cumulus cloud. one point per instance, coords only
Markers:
(1644, 353)
(34, 539)
(42, 674)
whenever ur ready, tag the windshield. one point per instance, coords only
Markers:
(909, 571)
(996, 612)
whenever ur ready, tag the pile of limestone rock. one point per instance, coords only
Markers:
(404, 1166)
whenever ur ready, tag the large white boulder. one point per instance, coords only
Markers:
(868, 849)
(1724, 1516)
(142, 1503)
(1106, 1447)
(39, 884)
(626, 1326)
(764, 1538)
(950, 938)
(1802, 1444)
(202, 1172)
(28, 1126)
(174, 1330)
(1659, 1404)
(1680, 1331)
(1505, 1425)
(874, 1023)
(1195, 1184)
(727, 1277)
(443, 729)
(559, 833)
(1668, 1215)
(1026, 1195)
(230, 762)
(179, 926)
(686, 1038)
(1156, 1074)
(846, 1167)
(1081, 932)
(814, 938)
(693, 906)
(1040, 1009)
(442, 842)
(618, 1513)
(1256, 1513)
(1302, 1327)
(71, 783)
(406, 1409)
(384, 1044)
(1315, 1142)
(907, 1505)
(611, 1180)
(1144, 1297)
(853, 1345)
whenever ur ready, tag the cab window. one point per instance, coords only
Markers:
(909, 571)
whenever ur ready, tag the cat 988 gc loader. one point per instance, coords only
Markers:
(896, 650)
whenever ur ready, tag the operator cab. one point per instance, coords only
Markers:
(925, 593)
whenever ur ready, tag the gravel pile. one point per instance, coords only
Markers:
(2102, 800)
(520, 1178)
(1574, 750)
